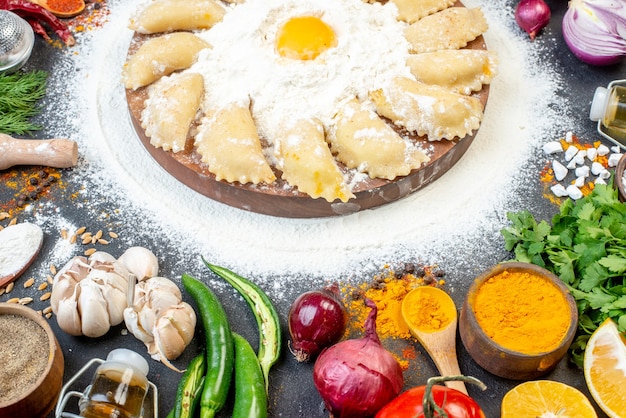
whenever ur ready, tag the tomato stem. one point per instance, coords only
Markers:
(429, 404)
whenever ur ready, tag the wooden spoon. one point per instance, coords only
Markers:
(439, 343)
(59, 153)
(78, 9)
(19, 246)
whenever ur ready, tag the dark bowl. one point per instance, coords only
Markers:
(618, 180)
(502, 361)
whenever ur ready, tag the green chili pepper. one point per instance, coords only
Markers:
(250, 394)
(219, 347)
(265, 314)
(190, 388)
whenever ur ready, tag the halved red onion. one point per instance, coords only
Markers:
(595, 30)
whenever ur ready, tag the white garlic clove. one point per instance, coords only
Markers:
(63, 288)
(76, 268)
(169, 344)
(169, 341)
(147, 319)
(93, 310)
(185, 321)
(162, 293)
(115, 302)
(141, 262)
(67, 316)
(131, 320)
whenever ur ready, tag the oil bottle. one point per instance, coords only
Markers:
(608, 108)
(118, 387)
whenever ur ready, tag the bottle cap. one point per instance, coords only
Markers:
(598, 104)
(129, 357)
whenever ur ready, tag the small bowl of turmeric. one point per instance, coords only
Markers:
(518, 320)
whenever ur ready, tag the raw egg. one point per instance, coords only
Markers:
(304, 38)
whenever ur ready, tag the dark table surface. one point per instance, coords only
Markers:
(292, 393)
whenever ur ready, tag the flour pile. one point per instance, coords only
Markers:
(458, 214)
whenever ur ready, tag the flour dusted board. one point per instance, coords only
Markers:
(282, 199)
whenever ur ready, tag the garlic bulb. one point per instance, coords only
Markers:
(89, 294)
(161, 319)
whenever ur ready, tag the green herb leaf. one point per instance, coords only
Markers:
(19, 95)
(585, 246)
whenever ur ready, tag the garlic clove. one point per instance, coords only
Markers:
(169, 341)
(131, 320)
(76, 268)
(169, 344)
(183, 318)
(162, 293)
(62, 289)
(67, 316)
(147, 319)
(115, 302)
(93, 310)
(141, 262)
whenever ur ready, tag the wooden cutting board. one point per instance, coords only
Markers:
(280, 199)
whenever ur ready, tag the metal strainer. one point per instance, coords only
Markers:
(16, 41)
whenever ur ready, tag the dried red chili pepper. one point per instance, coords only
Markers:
(33, 12)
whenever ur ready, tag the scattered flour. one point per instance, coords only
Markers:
(462, 209)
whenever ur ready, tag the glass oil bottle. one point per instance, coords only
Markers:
(118, 387)
(608, 108)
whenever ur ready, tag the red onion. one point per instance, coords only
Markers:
(595, 30)
(317, 319)
(532, 16)
(358, 377)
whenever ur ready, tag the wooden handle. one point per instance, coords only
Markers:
(58, 152)
(441, 346)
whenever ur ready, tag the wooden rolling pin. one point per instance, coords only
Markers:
(59, 153)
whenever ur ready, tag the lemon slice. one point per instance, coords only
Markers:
(546, 399)
(605, 368)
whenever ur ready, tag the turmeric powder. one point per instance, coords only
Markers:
(426, 312)
(522, 311)
(387, 291)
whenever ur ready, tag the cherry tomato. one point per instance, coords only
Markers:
(409, 404)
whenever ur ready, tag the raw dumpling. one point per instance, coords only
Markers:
(171, 15)
(413, 10)
(170, 109)
(451, 28)
(162, 56)
(462, 71)
(361, 139)
(428, 110)
(307, 163)
(229, 144)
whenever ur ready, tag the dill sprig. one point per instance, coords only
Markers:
(19, 94)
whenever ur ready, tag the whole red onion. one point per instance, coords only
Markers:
(358, 377)
(317, 319)
(532, 16)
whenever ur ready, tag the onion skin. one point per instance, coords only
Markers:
(317, 319)
(532, 16)
(595, 30)
(358, 377)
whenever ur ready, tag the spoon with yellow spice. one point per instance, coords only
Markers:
(431, 316)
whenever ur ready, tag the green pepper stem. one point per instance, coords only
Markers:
(428, 402)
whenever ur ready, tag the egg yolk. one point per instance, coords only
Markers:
(304, 38)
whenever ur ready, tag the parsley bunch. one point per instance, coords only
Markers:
(586, 248)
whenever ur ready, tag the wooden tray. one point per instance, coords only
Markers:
(280, 199)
